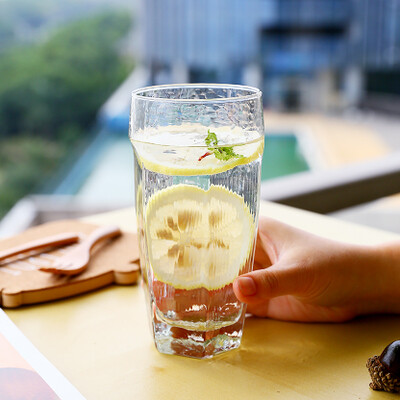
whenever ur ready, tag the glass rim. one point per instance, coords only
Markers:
(256, 93)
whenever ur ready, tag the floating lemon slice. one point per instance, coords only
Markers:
(186, 160)
(198, 238)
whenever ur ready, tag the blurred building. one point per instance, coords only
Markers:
(379, 29)
(303, 54)
(306, 52)
(379, 33)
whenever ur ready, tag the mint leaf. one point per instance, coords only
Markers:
(224, 153)
(211, 139)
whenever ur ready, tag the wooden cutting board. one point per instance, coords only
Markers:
(112, 261)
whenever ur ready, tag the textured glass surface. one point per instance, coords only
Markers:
(196, 224)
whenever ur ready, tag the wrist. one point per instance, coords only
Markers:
(382, 283)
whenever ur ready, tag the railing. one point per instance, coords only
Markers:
(332, 190)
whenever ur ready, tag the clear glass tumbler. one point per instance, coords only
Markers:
(198, 152)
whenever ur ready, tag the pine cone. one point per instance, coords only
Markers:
(384, 369)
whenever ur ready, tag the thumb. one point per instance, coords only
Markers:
(263, 284)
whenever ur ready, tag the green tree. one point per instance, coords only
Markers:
(49, 97)
(65, 80)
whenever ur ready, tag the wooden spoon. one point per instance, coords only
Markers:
(49, 241)
(77, 259)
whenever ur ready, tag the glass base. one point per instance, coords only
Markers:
(196, 344)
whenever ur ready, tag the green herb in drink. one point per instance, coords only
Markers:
(224, 153)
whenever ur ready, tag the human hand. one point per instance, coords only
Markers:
(299, 276)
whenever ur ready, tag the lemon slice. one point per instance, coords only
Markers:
(197, 238)
(184, 160)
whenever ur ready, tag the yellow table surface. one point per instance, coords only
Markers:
(101, 342)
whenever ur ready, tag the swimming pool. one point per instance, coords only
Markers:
(282, 156)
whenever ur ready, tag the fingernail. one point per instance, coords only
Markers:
(247, 286)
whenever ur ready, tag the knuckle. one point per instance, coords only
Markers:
(270, 282)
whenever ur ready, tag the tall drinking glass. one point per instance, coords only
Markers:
(198, 152)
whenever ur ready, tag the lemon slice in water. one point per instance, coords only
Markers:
(187, 160)
(198, 238)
